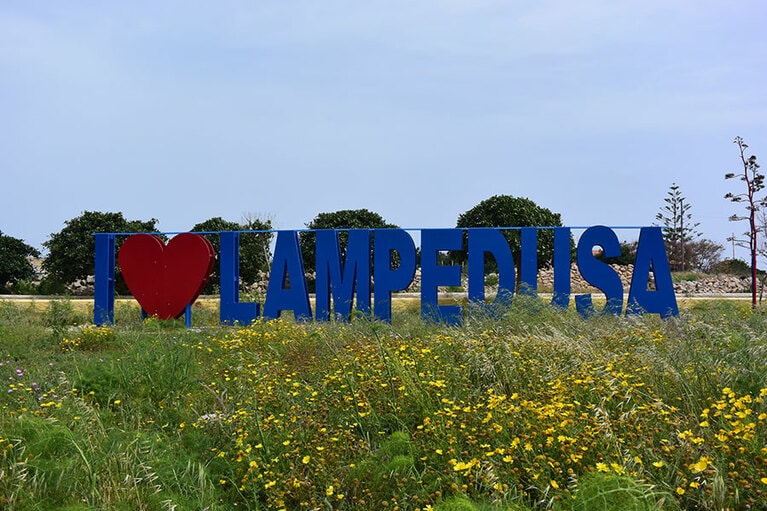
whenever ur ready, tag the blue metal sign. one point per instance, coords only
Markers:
(380, 262)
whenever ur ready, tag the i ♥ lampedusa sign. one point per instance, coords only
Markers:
(166, 279)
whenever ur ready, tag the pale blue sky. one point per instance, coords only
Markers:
(417, 110)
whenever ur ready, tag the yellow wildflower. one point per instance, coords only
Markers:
(700, 465)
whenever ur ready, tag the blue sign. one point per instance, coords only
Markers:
(380, 262)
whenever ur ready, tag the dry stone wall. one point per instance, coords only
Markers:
(702, 285)
(577, 284)
(714, 285)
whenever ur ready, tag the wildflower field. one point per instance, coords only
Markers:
(536, 410)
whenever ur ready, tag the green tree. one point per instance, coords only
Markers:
(509, 211)
(754, 181)
(680, 229)
(343, 219)
(14, 261)
(255, 254)
(71, 251)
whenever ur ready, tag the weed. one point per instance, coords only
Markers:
(612, 492)
(523, 408)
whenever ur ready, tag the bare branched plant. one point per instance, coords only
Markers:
(754, 181)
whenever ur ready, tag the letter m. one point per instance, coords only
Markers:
(342, 278)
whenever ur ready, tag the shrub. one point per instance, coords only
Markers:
(611, 492)
(456, 504)
(732, 267)
(90, 338)
(61, 313)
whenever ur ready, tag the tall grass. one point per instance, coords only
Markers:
(537, 409)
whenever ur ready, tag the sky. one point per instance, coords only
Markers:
(417, 110)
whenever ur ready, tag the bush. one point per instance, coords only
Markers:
(456, 504)
(61, 313)
(90, 338)
(732, 267)
(687, 276)
(611, 492)
(51, 286)
(24, 287)
(628, 254)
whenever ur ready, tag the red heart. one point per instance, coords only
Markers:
(165, 279)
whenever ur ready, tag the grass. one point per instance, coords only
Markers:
(687, 276)
(536, 410)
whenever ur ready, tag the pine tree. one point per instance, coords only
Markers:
(680, 229)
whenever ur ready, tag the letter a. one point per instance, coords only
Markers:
(651, 257)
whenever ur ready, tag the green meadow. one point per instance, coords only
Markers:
(537, 409)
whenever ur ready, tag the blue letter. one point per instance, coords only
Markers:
(528, 260)
(598, 273)
(562, 263)
(387, 279)
(354, 276)
(104, 282)
(232, 310)
(434, 275)
(492, 241)
(651, 257)
(287, 270)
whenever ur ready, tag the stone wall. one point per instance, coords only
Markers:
(714, 285)
(577, 284)
(702, 285)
